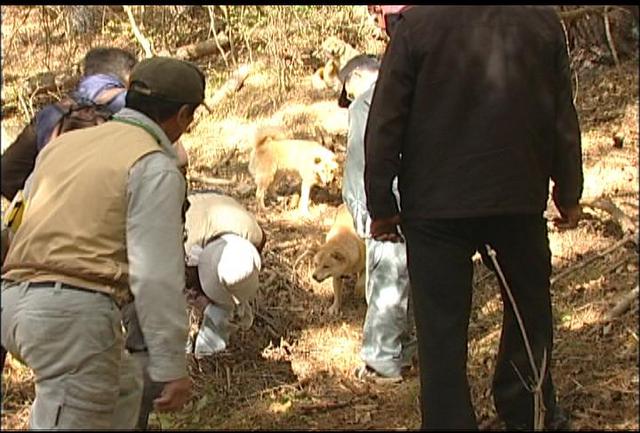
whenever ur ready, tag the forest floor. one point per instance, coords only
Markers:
(294, 368)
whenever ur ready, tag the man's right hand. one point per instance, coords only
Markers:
(569, 217)
(386, 229)
(174, 395)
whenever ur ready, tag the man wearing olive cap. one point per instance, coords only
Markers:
(104, 225)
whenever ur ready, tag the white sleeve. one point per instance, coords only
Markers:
(156, 191)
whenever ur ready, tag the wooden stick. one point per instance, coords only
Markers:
(271, 327)
(201, 49)
(607, 30)
(324, 405)
(228, 371)
(585, 262)
(577, 13)
(306, 252)
(146, 44)
(233, 84)
(606, 204)
(211, 180)
(622, 304)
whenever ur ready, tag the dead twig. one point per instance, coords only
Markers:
(146, 44)
(585, 262)
(212, 29)
(233, 84)
(578, 13)
(324, 405)
(622, 304)
(306, 252)
(616, 265)
(271, 327)
(211, 180)
(227, 158)
(228, 372)
(538, 375)
(605, 204)
(607, 30)
(484, 277)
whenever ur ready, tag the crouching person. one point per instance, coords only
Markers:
(104, 223)
(223, 247)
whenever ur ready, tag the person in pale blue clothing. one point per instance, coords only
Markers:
(388, 344)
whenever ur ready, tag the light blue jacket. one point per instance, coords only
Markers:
(353, 192)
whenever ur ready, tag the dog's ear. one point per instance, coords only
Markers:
(337, 256)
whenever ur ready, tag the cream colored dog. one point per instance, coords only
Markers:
(342, 254)
(274, 155)
(338, 50)
(338, 53)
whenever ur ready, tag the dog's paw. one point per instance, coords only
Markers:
(334, 310)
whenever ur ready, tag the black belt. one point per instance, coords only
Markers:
(41, 284)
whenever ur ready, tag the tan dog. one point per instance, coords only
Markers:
(339, 50)
(338, 53)
(342, 254)
(326, 77)
(274, 155)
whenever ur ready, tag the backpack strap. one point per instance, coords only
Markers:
(107, 96)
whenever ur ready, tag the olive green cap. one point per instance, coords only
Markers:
(169, 79)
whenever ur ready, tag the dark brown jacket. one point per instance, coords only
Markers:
(473, 111)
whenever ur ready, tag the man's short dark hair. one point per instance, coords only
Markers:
(109, 61)
(365, 62)
(156, 109)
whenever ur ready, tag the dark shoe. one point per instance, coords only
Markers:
(560, 421)
(368, 374)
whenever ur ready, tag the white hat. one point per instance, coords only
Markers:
(228, 269)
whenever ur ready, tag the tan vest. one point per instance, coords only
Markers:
(74, 226)
(211, 215)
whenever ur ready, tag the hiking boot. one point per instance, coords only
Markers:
(368, 374)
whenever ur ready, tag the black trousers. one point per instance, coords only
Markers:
(439, 255)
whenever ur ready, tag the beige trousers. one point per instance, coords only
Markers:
(72, 340)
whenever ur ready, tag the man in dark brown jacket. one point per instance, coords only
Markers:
(473, 112)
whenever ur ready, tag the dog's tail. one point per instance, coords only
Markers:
(266, 133)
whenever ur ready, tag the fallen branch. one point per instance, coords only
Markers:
(146, 44)
(622, 304)
(62, 81)
(324, 405)
(228, 157)
(211, 180)
(228, 374)
(617, 264)
(607, 30)
(233, 84)
(578, 13)
(484, 277)
(201, 49)
(567, 271)
(271, 327)
(625, 222)
(538, 375)
(306, 252)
